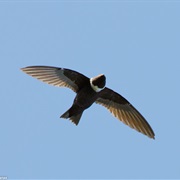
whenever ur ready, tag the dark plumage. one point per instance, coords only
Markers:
(88, 91)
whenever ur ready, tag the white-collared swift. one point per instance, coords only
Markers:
(88, 91)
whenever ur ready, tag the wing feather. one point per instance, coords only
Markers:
(124, 111)
(60, 77)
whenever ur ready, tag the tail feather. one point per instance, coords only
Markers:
(65, 115)
(75, 119)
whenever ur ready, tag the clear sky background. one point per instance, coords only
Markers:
(136, 44)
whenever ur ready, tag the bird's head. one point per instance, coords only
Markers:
(98, 83)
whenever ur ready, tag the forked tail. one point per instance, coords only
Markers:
(75, 118)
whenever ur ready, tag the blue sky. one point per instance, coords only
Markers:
(136, 44)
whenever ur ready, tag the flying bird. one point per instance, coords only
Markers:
(88, 91)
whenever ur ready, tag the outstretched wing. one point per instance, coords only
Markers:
(57, 76)
(124, 111)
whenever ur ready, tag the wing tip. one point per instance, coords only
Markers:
(152, 136)
(22, 69)
(25, 69)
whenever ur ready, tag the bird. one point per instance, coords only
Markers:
(89, 91)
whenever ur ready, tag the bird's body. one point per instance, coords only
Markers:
(88, 91)
(83, 100)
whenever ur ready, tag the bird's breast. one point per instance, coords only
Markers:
(85, 97)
